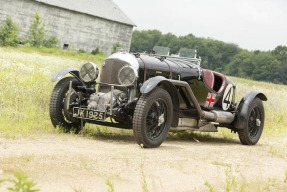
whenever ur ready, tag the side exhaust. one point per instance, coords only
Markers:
(214, 116)
(220, 117)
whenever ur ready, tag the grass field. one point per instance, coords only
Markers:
(24, 113)
(26, 87)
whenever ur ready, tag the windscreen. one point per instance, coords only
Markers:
(189, 53)
(158, 50)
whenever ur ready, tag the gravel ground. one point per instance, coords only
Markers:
(63, 163)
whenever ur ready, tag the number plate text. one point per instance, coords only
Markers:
(88, 114)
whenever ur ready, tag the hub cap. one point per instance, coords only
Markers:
(254, 122)
(156, 119)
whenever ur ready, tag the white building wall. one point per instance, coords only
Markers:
(78, 30)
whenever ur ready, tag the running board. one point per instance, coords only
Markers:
(187, 124)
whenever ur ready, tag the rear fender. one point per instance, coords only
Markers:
(63, 72)
(153, 82)
(243, 108)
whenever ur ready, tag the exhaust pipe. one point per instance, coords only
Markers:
(215, 116)
(223, 117)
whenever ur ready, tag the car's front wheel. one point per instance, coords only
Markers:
(250, 134)
(60, 115)
(152, 118)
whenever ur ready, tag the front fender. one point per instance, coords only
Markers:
(151, 83)
(63, 72)
(243, 108)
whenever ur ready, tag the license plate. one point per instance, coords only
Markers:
(89, 114)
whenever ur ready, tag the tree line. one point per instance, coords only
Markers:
(228, 58)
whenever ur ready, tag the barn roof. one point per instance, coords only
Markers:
(106, 9)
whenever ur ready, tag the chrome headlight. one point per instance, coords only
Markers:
(89, 72)
(127, 75)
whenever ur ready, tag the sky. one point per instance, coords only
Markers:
(251, 24)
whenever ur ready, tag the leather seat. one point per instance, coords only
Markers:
(221, 82)
(208, 78)
(214, 80)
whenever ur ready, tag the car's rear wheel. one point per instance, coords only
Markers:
(152, 118)
(59, 114)
(250, 134)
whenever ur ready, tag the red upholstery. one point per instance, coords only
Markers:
(214, 80)
(223, 84)
(208, 78)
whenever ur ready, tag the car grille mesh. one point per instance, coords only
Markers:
(109, 74)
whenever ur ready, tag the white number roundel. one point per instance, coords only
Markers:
(227, 97)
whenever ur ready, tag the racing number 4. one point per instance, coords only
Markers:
(227, 97)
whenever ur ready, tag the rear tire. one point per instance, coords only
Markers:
(152, 118)
(251, 134)
(58, 115)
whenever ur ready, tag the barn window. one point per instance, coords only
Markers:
(66, 46)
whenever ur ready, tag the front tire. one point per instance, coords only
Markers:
(251, 134)
(58, 114)
(152, 118)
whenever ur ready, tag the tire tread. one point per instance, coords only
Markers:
(56, 105)
(140, 110)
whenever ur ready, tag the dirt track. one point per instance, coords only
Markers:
(64, 163)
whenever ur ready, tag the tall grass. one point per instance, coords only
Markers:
(26, 88)
(240, 184)
(21, 183)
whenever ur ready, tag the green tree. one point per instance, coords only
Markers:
(280, 52)
(145, 40)
(36, 36)
(267, 67)
(115, 47)
(241, 65)
(52, 41)
(9, 33)
(169, 40)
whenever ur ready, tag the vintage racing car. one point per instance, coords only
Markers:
(154, 94)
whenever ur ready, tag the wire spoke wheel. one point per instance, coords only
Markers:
(251, 134)
(59, 114)
(152, 118)
(156, 119)
(254, 122)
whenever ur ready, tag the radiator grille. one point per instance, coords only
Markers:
(109, 74)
